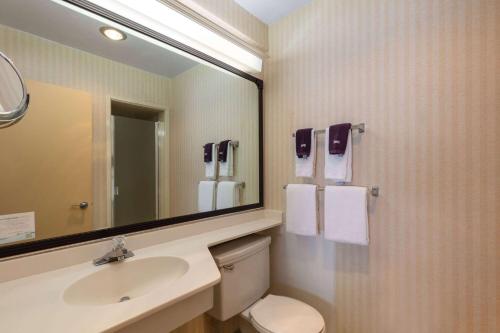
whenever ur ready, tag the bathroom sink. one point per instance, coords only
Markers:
(124, 281)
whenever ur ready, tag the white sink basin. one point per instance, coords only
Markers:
(126, 280)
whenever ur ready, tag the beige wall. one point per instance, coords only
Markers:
(423, 76)
(209, 106)
(61, 65)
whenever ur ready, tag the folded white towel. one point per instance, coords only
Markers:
(226, 169)
(301, 209)
(346, 214)
(206, 195)
(228, 195)
(211, 167)
(339, 167)
(304, 167)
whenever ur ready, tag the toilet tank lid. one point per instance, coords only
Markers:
(238, 249)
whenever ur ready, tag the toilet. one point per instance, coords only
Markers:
(244, 267)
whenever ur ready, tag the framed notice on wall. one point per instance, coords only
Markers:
(17, 227)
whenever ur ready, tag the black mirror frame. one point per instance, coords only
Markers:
(45, 244)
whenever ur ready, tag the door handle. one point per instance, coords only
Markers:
(81, 205)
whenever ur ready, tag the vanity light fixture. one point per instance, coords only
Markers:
(157, 16)
(113, 33)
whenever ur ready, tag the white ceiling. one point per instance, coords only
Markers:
(269, 11)
(49, 20)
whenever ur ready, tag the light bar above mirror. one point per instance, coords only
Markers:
(157, 16)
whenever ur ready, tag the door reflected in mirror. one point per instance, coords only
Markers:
(137, 136)
(116, 129)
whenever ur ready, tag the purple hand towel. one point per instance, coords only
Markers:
(337, 138)
(223, 147)
(207, 152)
(303, 142)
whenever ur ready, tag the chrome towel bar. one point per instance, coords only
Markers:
(374, 190)
(235, 144)
(358, 127)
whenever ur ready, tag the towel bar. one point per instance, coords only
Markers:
(358, 127)
(235, 144)
(374, 190)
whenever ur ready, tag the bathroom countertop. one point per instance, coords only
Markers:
(35, 303)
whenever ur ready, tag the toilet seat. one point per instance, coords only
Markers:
(279, 314)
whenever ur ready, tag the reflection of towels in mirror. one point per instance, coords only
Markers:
(206, 196)
(211, 160)
(228, 194)
(226, 163)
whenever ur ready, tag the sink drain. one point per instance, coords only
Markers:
(124, 299)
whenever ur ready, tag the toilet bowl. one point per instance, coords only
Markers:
(244, 267)
(279, 314)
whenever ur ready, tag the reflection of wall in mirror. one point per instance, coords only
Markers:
(211, 106)
(47, 61)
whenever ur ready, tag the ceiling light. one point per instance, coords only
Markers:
(112, 33)
(158, 17)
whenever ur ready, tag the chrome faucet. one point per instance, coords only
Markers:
(118, 252)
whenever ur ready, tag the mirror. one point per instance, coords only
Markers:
(14, 98)
(119, 129)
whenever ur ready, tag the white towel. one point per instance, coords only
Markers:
(228, 195)
(304, 167)
(206, 196)
(346, 214)
(301, 209)
(226, 169)
(339, 167)
(211, 167)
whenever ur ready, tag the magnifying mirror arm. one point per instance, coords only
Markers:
(8, 118)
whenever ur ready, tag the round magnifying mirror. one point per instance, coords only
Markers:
(14, 98)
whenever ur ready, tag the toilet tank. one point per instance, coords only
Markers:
(244, 267)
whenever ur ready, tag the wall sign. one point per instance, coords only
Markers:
(17, 227)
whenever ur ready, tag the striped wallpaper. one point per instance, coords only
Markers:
(423, 76)
(210, 106)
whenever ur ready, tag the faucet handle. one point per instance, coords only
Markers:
(119, 243)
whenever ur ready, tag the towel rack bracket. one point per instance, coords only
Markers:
(359, 127)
